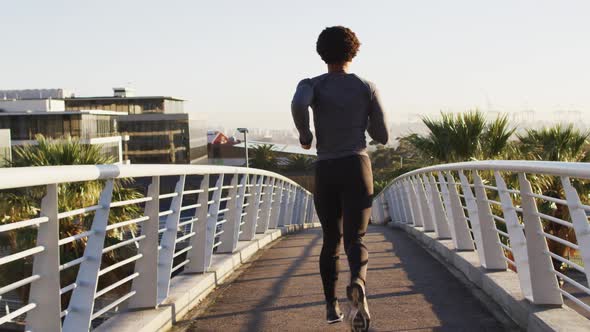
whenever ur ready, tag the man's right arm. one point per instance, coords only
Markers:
(300, 111)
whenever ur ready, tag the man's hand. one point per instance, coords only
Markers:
(306, 146)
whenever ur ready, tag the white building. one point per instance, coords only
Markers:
(31, 105)
(36, 94)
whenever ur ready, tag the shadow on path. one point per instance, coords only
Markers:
(408, 290)
(256, 317)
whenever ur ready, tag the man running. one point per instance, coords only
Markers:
(344, 107)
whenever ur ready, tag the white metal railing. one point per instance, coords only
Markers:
(210, 209)
(511, 213)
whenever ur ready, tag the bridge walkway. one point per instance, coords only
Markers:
(408, 290)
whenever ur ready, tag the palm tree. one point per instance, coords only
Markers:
(264, 157)
(437, 143)
(67, 151)
(495, 138)
(23, 203)
(299, 163)
(557, 143)
(463, 136)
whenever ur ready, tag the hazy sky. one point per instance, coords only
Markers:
(232, 59)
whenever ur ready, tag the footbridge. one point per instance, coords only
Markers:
(483, 245)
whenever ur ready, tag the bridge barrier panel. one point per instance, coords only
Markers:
(525, 218)
(185, 218)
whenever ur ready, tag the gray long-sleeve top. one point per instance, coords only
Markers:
(344, 107)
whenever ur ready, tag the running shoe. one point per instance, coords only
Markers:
(358, 317)
(333, 313)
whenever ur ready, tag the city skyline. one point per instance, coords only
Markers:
(525, 118)
(240, 62)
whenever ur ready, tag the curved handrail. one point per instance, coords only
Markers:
(503, 221)
(177, 232)
(555, 168)
(16, 177)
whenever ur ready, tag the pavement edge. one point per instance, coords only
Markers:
(502, 287)
(188, 290)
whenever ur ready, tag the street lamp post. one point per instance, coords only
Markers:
(245, 132)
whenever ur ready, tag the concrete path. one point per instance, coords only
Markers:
(408, 290)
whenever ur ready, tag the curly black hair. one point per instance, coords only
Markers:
(337, 45)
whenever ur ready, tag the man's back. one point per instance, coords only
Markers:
(344, 106)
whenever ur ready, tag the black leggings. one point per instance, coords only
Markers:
(343, 198)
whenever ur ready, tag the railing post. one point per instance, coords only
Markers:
(197, 256)
(517, 238)
(414, 202)
(473, 217)
(444, 190)
(168, 242)
(544, 286)
(410, 214)
(249, 228)
(146, 284)
(389, 199)
(295, 211)
(378, 208)
(305, 208)
(441, 223)
(296, 202)
(394, 203)
(284, 205)
(212, 220)
(264, 218)
(424, 204)
(240, 216)
(386, 206)
(81, 305)
(399, 203)
(275, 212)
(291, 210)
(45, 292)
(231, 228)
(462, 238)
(490, 253)
(288, 205)
(403, 194)
(310, 209)
(306, 202)
(579, 222)
(314, 212)
(471, 210)
(297, 208)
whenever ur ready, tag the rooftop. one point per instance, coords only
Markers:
(124, 98)
(93, 112)
(284, 148)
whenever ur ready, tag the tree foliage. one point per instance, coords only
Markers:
(263, 157)
(557, 143)
(468, 136)
(462, 137)
(24, 203)
(299, 163)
